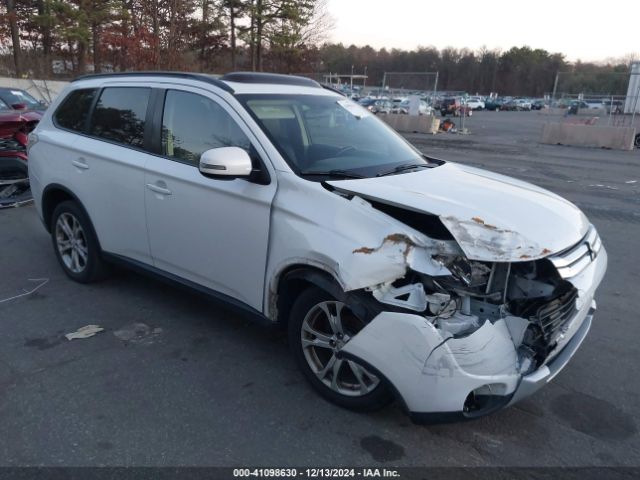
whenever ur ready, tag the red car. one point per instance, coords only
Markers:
(14, 179)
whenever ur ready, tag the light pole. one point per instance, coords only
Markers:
(351, 78)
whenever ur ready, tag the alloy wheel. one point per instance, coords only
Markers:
(326, 328)
(71, 242)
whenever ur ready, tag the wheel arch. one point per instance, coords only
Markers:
(294, 279)
(52, 196)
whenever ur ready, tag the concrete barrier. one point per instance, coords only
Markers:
(412, 124)
(618, 138)
(46, 90)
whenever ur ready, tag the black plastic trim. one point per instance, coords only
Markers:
(155, 125)
(87, 122)
(186, 75)
(173, 279)
(496, 402)
(332, 89)
(269, 78)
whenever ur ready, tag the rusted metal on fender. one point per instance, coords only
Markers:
(358, 245)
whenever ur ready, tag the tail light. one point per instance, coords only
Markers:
(32, 139)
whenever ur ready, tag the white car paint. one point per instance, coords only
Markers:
(475, 103)
(472, 203)
(239, 238)
(434, 372)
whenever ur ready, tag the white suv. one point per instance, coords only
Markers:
(456, 290)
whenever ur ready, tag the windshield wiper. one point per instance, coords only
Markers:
(402, 168)
(333, 173)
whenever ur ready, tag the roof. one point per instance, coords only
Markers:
(186, 75)
(235, 82)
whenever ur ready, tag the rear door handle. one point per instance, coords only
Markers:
(80, 163)
(161, 189)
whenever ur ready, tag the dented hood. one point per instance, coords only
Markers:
(491, 216)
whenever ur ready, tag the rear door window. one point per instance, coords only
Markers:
(72, 113)
(120, 114)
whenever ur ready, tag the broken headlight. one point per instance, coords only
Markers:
(467, 276)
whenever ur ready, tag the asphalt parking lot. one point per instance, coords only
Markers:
(176, 379)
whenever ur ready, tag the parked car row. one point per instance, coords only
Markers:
(396, 105)
(454, 106)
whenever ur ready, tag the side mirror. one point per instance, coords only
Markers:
(19, 106)
(226, 162)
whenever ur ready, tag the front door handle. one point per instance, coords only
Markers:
(80, 163)
(160, 188)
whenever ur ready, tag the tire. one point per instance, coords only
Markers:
(637, 141)
(75, 244)
(354, 387)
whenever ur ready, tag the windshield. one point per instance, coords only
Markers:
(318, 133)
(13, 97)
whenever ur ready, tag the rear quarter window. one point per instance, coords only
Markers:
(73, 111)
(120, 114)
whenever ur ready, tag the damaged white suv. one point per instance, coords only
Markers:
(455, 290)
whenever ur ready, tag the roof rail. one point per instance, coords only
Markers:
(271, 78)
(187, 75)
(333, 89)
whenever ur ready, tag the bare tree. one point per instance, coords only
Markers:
(321, 22)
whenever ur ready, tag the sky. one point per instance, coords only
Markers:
(588, 30)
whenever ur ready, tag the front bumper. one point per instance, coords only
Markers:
(435, 373)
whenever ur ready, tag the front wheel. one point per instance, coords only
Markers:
(319, 327)
(637, 142)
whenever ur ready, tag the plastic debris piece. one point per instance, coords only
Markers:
(85, 332)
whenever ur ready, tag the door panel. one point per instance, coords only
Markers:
(109, 171)
(110, 183)
(213, 232)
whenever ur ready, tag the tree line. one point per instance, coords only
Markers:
(204, 35)
(64, 38)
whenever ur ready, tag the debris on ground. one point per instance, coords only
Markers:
(631, 181)
(84, 332)
(138, 332)
(43, 282)
(604, 186)
(447, 125)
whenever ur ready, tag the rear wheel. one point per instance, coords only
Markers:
(319, 327)
(637, 142)
(75, 243)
